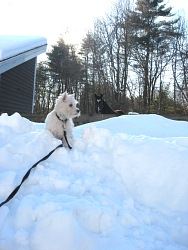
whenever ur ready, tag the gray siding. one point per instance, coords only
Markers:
(16, 88)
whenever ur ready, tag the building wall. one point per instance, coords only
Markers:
(16, 88)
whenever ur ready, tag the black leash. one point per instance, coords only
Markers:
(28, 173)
(64, 131)
(65, 135)
(43, 159)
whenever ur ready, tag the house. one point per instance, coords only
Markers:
(18, 61)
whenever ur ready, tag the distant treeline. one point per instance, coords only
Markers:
(137, 56)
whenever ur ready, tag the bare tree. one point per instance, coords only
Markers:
(180, 65)
(151, 39)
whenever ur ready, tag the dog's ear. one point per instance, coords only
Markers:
(101, 96)
(64, 96)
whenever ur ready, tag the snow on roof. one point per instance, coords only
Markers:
(13, 45)
(15, 50)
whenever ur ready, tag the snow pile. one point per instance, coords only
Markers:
(123, 186)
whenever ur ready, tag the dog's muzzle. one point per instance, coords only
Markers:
(78, 112)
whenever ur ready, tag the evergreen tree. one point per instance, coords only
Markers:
(64, 66)
(41, 88)
(58, 61)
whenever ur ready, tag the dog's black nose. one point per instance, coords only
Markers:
(78, 110)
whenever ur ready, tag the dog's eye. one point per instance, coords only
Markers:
(70, 105)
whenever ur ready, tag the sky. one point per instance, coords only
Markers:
(71, 19)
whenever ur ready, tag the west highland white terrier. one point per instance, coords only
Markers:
(59, 121)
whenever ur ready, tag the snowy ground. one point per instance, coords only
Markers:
(123, 186)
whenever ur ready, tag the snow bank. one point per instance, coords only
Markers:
(148, 125)
(123, 186)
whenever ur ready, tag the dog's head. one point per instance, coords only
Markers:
(66, 106)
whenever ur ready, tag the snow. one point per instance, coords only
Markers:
(13, 45)
(124, 185)
(133, 113)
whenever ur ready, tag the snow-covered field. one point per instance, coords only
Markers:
(123, 186)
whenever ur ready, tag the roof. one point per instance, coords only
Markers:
(15, 50)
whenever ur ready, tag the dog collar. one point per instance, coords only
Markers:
(65, 120)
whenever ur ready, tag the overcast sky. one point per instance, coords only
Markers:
(70, 18)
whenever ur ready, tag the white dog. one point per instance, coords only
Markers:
(59, 121)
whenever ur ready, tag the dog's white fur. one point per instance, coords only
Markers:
(60, 118)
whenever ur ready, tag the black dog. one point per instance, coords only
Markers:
(103, 108)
